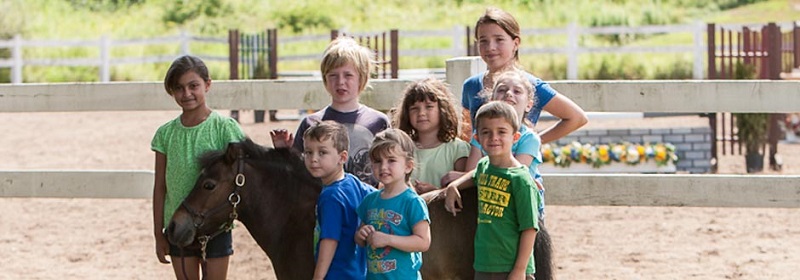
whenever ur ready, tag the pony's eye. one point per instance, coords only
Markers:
(208, 185)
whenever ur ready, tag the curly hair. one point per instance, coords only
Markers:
(434, 90)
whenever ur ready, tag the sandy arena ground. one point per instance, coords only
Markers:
(45, 238)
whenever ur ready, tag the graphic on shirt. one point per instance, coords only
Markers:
(382, 220)
(493, 196)
(359, 164)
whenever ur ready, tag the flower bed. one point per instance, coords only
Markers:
(618, 157)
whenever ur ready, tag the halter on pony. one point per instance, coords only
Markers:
(233, 199)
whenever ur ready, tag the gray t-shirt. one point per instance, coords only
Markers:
(362, 126)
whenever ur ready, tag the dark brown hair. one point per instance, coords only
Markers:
(325, 130)
(503, 19)
(434, 90)
(181, 66)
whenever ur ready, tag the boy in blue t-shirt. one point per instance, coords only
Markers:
(325, 152)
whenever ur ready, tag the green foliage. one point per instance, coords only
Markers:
(183, 11)
(679, 69)
(751, 127)
(752, 130)
(303, 18)
(612, 67)
(103, 5)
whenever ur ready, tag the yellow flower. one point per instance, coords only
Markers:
(602, 153)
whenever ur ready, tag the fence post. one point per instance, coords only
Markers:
(471, 48)
(233, 53)
(774, 54)
(105, 59)
(774, 51)
(459, 69)
(272, 46)
(458, 37)
(184, 38)
(395, 53)
(16, 56)
(712, 52)
(795, 45)
(699, 31)
(573, 35)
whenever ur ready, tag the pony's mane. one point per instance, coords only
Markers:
(260, 156)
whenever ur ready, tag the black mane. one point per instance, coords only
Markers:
(263, 158)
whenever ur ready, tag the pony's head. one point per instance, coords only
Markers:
(243, 172)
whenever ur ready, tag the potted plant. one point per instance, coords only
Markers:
(752, 132)
(751, 127)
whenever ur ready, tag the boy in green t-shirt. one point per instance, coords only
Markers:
(507, 205)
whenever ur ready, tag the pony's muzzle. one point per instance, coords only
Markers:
(180, 234)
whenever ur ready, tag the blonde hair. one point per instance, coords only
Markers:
(520, 77)
(391, 141)
(434, 90)
(345, 50)
(497, 109)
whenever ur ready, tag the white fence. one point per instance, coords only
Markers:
(105, 46)
(581, 189)
(572, 48)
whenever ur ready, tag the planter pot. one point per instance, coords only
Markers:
(754, 162)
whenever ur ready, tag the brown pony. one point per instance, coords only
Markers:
(272, 194)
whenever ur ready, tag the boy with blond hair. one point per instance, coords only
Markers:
(336, 253)
(345, 70)
(507, 204)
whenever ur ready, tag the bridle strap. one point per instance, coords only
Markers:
(233, 199)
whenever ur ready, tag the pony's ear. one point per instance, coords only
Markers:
(233, 152)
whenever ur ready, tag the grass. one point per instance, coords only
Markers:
(34, 20)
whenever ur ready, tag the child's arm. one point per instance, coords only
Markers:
(459, 166)
(524, 159)
(422, 187)
(524, 251)
(418, 241)
(475, 155)
(327, 248)
(363, 233)
(281, 138)
(570, 114)
(452, 199)
(159, 192)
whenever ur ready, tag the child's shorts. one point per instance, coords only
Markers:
(220, 246)
(497, 276)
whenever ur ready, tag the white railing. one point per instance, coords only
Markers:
(572, 189)
(571, 48)
(105, 45)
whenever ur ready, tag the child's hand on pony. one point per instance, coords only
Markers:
(422, 187)
(452, 200)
